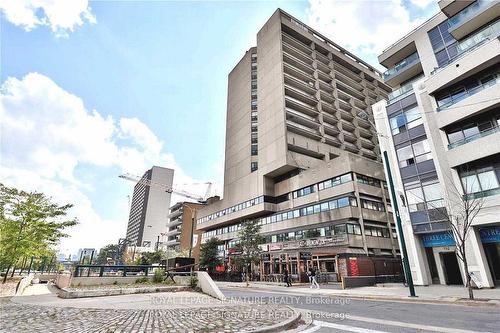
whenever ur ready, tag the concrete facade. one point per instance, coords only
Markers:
(301, 156)
(441, 131)
(149, 208)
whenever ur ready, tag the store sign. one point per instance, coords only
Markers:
(264, 247)
(305, 255)
(318, 242)
(438, 239)
(490, 235)
(274, 247)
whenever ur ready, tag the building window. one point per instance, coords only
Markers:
(254, 166)
(480, 180)
(254, 150)
(443, 44)
(303, 191)
(405, 121)
(414, 153)
(254, 137)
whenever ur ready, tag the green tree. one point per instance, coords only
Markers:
(149, 258)
(209, 255)
(248, 246)
(30, 225)
(108, 251)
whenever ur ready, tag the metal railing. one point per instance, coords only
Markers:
(402, 66)
(474, 137)
(468, 93)
(468, 12)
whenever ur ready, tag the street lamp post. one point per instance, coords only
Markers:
(404, 252)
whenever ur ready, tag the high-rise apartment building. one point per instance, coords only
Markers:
(442, 127)
(182, 234)
(149, 208)
(301, 156)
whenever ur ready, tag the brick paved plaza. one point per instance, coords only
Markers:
(44, 313)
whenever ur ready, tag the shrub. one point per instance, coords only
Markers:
(142, 280)
(193, 282)
(159, 276)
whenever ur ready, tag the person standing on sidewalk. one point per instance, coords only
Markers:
(287, 278)
(312, 278)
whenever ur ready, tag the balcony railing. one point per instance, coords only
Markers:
(473, 42)
(474, 137)
(468, 12)
(401, 92)
(482, 194)
(402, 66)
(467, 93)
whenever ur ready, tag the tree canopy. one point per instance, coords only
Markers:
(30, 225)
(209, 254)
(248, 244)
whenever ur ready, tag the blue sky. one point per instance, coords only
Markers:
(155, 72)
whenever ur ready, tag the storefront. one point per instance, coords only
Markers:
(490, 238)
(441, 258)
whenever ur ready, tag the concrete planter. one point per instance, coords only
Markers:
(68, 293)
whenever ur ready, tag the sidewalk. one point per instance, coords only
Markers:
(390, 291)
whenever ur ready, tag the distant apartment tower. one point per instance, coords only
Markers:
(182, 230)
(442, 123)
(301, 156)
(149, 209)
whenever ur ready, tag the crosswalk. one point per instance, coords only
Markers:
(359, 324)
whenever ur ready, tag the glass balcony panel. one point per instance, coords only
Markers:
(401, 66)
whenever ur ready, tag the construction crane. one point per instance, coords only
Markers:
(169, 189)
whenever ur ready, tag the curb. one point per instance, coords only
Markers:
(67, 294)
(280, 327)
(463, 302)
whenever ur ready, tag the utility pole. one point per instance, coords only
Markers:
(404, 252)
(406, 263)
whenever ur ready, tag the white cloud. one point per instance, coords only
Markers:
(62, 16)
(422, 3)
(48, 132)
(363, 27)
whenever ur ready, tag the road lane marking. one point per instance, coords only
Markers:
(399, 324)
(311, 329)
(345, 327)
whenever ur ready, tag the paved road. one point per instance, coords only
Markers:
(336, 314)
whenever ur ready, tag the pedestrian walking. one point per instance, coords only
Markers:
(287, 278)
(312, 278)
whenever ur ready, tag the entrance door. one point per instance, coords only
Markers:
(451, 270)
(432, 265)
(492, 251)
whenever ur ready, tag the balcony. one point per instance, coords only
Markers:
(324, 77)
(459, 96)
(369, 153)
(302, 130)
(350, 137)
(297, 52)
(351, 147)
(300, 95)
(325, 87)
(299, 84)
(344, 106)
(295, 104)
(367, 144)
(364, 124)
(364, 132)
(330, 119)
(302, 119)
(173, 223)
(451, 7)
(474, 137)
(402, 92)
(328, 108)
(321, 57)
(173, 232)
(332, 140)
(348, 81)
(404, 70)
(297, 73)
(330, 129)
(345, 71)
(346, 115)
(323, 68)
(297, 44)
(351, 92)
(473, 17)
(297, 63)
(327, 97)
